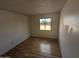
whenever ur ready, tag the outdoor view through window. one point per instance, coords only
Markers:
(45, 24)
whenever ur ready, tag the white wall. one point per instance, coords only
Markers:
(14, 29)
(69, 29)
(35, 25)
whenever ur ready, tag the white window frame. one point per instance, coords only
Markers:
(45, 26)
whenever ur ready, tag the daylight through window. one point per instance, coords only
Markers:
(45, 24)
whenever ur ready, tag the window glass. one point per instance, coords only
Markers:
(45, 24)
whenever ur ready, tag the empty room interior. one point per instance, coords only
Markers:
(39, 28)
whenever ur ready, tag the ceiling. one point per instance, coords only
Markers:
(32, 7)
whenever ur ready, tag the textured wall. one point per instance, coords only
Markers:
(35, 26)
(69, 29)
(13, 30)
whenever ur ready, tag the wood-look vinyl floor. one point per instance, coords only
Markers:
(36, 48)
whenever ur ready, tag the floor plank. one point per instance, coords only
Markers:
(36, 48)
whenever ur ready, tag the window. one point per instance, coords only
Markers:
(45, 24)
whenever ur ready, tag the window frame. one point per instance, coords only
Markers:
(45, 24)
